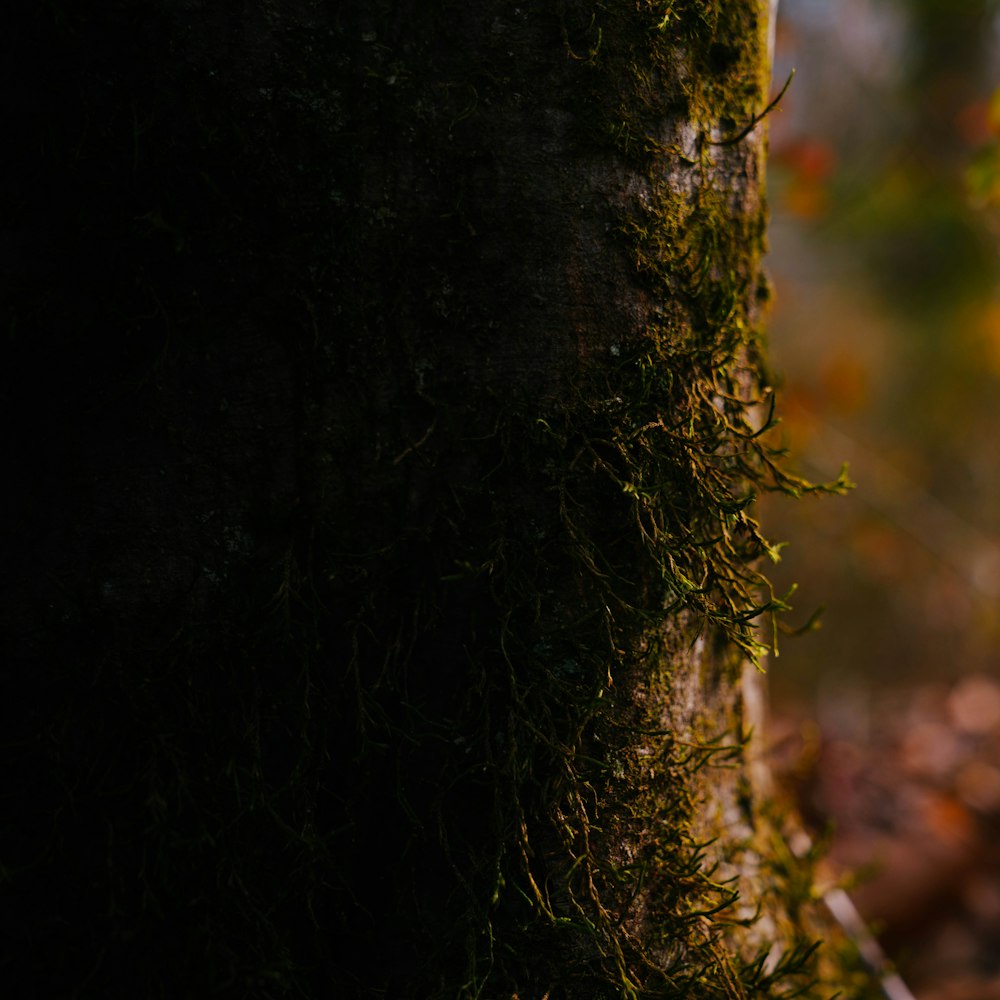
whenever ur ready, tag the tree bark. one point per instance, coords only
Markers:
(385, 423)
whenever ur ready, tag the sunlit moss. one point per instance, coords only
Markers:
(638, 539)
(422, 743)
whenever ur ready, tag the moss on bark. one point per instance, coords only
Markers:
(420, 430)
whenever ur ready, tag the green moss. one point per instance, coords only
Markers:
(416, 746)
(637, 525)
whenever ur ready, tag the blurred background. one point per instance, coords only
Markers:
(884, 185)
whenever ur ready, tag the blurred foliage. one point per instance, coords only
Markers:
(982, 177)
(885, 188)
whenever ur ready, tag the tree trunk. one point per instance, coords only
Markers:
(386, 388)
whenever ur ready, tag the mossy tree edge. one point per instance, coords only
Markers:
(399, 619)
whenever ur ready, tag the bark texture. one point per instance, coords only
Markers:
(387, 387)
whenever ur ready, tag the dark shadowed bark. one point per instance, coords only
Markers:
(383, 402)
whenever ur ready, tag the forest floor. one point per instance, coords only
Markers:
(906, 785)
